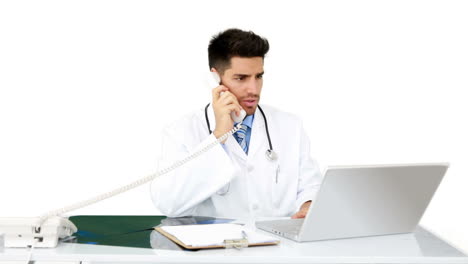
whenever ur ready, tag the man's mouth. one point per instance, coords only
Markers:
(249, 102)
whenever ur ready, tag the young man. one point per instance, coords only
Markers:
(241, 177)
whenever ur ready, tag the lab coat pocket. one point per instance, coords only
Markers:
(275, 173)
(284, 190)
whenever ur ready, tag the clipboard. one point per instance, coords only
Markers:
(237, 242)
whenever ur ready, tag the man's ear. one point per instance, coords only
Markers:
(216, 75)
(219, 72)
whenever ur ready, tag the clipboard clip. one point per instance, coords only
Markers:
(236, 243)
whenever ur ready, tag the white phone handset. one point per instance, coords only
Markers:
(216, 81)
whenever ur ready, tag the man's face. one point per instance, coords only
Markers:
(245, 80)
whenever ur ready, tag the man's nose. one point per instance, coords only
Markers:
(253, 86)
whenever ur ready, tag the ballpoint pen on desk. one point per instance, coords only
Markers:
(244, 235)
(241, 243)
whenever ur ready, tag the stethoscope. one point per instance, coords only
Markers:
(270, 154)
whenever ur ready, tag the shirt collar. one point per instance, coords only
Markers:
(248, 121)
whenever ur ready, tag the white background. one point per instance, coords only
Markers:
(86, 86)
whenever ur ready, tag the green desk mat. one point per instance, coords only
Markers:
(115, 230)
(131, 230)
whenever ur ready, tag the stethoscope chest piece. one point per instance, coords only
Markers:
(271, 155)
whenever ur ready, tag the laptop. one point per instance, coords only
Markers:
(359, 201)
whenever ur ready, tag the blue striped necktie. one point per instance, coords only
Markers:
(241, 138)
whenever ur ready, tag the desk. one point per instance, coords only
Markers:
(418, 247)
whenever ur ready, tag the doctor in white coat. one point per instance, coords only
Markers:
(236, 179)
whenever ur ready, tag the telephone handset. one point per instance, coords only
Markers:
(215, 81)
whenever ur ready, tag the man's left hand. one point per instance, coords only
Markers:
(303, 211)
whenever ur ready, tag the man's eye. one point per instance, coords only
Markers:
(259, 76)
(239, 78)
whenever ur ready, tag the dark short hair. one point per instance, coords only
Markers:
(235, 42)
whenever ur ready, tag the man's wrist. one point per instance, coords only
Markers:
(218, 134)
(306, 204)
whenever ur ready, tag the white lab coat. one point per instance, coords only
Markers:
(225, 182)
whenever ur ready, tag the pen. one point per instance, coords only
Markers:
(277, 172)
(244, 235)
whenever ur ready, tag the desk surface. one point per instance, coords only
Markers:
(418, 247)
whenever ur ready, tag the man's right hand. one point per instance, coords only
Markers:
(223, 105)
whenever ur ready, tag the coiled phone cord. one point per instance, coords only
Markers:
(138, 182)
